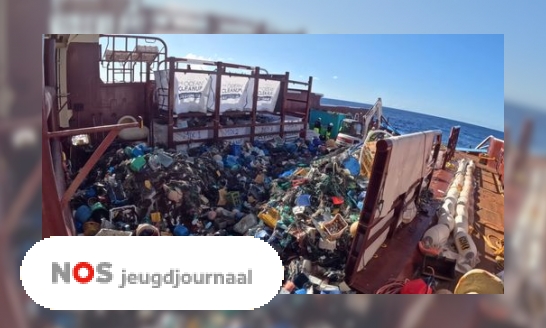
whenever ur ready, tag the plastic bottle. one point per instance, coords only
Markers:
(164, 159)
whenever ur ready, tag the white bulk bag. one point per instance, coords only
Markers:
(191, 91)
(268, 93)
(233, 93)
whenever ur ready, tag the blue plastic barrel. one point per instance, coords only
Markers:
(83, 213)
(181, 230)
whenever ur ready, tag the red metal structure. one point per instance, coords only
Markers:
(127, 88)
(372, 226)
(451, 145)
(291, 101)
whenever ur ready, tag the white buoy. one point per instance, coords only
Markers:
(465, 194)
(451, 200)
(465, 245)
(459, 181)
(449, 205)
(461, 210)
(436, 236)
(453, 192)
(461, 223)
(447, 219)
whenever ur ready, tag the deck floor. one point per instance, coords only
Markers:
(400, 257)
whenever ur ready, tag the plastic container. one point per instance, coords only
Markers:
(436, 236)
(181, 230)
(335, 228)
(465, 245)
(236, 150)
(164, 159)
(334, 290)
(91, 228)
(245, 224)
(446, 219)
(99, 212)
(137, 164)
(303, 200)
(153, 162)
(83, 214)
(270, 217)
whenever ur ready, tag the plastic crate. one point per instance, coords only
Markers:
(335, 227)
(234, 198)
(270, 217)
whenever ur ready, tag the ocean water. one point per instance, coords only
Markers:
(408, 122)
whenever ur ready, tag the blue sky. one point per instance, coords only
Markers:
(521, 22)
(454, 76)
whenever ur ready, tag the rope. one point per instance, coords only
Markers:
(497, 247)
(393, 287)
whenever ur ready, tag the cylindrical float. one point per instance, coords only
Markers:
(461, 223)
(446, 219)
(452, 201)
(453, 193)
(461, 210)
(436, 236)
(465, 197)
(449, 205)
(459, 181)
(465, 245)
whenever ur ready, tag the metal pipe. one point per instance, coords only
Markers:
(88, 166)
(96, 129)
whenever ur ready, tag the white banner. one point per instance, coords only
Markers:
(191, 90)
(233, 94)
(268, 93)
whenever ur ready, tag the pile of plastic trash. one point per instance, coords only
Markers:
(300, 197)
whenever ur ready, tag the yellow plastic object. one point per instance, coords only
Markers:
(148, 184)
(478, 281)
(353, 229)
(91, 228)
(270, 217)
(301, 172)
(156, 217)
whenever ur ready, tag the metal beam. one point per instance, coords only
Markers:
(95, 129)
(106, 142)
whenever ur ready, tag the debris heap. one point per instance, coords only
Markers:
(300, 197)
